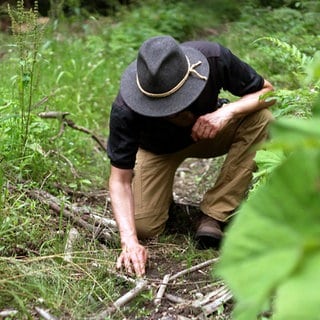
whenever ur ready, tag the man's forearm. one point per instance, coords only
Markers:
(123, 204)
(250, 103)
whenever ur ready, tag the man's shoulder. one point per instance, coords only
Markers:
(120, 108)
(208, 48)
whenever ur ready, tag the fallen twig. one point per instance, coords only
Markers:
(54, 204)
(62, 116)
(194, 268)
(8, 313)
(45, 314)
(73, 236)
(162, 289)
(214, 305)
(207, 305)
(140, 286)
(211, 296)
(109, 223)
(176, 299)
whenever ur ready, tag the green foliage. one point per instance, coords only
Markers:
(75, 67)
(271, 253)
(27, 36)
(49, 282)
(151, 18)
(272, 247)
(286, 25)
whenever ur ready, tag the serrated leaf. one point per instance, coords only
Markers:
(268, 238)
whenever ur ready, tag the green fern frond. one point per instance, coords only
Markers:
(299, 57)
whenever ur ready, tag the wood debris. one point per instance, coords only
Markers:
(45, 314)
(72, 238)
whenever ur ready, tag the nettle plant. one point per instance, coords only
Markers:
(271, 255)
(21, 130)
(27, 35)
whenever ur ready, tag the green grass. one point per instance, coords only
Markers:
(78, 71)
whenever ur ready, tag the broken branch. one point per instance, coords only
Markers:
(62, 117)
(162, 289)
(73, 236)
(140, 286)
(54, 204)
(194, 268)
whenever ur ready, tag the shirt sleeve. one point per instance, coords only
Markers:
(123, 138)
(238, 77)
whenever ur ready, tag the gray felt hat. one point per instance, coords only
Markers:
(165, 78)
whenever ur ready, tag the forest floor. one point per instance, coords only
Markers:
(183, 293)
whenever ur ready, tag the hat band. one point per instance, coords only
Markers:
(191, 69)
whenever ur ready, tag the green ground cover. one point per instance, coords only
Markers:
(75, 66)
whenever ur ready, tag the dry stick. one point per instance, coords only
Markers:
(62, 116)
(44, 314)
(73, 236)
(211, 296)
(109, 223)
(8, 313)
(53, 203)
(194, 268)
(162, 289)
(214, 305)
(53, 115)
(140, 286)
(176, 299)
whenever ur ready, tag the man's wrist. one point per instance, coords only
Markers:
(128, 241)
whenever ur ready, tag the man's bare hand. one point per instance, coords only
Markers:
(133, 258)
(208, 125)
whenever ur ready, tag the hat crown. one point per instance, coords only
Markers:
(161, 64)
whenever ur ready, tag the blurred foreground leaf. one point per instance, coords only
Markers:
(272, 249)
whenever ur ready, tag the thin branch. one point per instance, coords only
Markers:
(71, 124)
(109, 223)
(55, 205)
(62, 116)
(214, 305)
(53, 115)
(141, 284)
(8, 313)
(176, 299)
(72, 238)
(162, 289)
(194, 268)
(45, 314)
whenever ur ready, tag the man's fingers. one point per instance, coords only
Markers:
(132, 262)
(128, 265)
(139, 266)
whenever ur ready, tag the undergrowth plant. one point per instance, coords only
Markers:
(28, 35)
(80, 65)
(271, 255)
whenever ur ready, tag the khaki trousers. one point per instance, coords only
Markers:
(154, 174)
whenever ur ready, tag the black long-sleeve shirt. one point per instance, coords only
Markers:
(130, 130)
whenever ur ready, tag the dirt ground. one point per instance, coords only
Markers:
(192, 179)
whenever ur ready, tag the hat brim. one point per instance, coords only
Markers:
(166, 106)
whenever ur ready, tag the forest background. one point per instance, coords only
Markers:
(61, 62)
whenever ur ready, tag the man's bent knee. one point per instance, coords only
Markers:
(148, 227)
(265, 115)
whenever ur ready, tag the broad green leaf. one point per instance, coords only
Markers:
(296, 133)
(271, 233)
(298, 298)
(268, 160)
